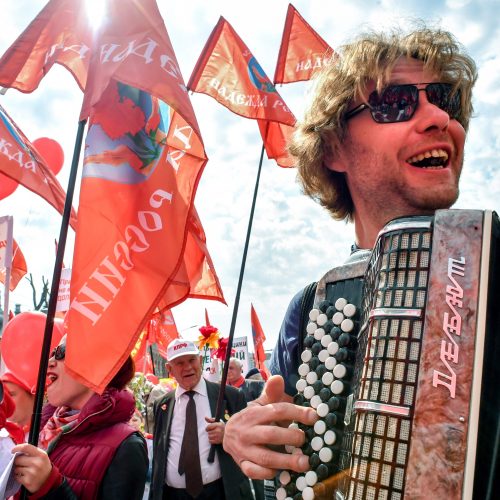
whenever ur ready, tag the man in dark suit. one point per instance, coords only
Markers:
(173, 477)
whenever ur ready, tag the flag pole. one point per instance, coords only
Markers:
(8, 270)
(220, 398)
(49, 323)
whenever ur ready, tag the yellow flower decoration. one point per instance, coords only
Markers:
(209, 337)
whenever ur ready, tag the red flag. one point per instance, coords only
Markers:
(228, 72)
(302, 50)
(258, 339)
(20, 161)
(61, 34)
(196, 276)
(162, 329)
(18, 268)
(137, 228)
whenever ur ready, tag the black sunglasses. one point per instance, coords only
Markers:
(397, 103)
(59, 352)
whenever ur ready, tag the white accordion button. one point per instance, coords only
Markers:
(280, 494)
(303, 369)
(322, 410)
(313, 314)
(322, 319)
(293, 425)
(340, 304)
(319, 427)
(301, 385)
(311, 377)
(309, 391)
(316, 443)
(311, 479)
(285, 477)
(325, 455)
(325, 340)
(319, 333)
(333, 347)
(337, 318)
(300, 483)
(347, 325)
(315, 401)
(307, 493)
(311, 327)
(349, 310)
(330, 437)
(330, 363)
(306, 356)
(323, 355)
(340, 371)
(289, 448)
(327, 377)
(337, 387)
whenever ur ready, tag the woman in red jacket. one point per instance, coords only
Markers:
(86, 449)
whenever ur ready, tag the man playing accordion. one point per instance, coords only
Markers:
(382, 138)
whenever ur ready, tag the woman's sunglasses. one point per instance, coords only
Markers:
(398, 103)
(59, 352)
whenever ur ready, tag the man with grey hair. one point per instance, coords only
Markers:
(383, 137)
(251, 388)
(185, 431)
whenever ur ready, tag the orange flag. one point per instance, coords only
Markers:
(228, 72)
(61, 34)
(20, 161)
(258, 340)
(18, 268)
(137, 229)
(302, 50)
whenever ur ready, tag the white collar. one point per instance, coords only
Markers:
(200, 388)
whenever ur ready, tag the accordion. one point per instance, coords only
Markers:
(401, 360)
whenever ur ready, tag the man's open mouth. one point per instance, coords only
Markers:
(435, 159)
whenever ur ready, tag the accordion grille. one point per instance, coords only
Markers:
(387, 365)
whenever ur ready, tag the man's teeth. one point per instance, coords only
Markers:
(439, 154)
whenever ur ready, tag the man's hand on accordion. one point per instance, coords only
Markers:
(256, 436)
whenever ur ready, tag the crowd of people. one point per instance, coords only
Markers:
(382, 137)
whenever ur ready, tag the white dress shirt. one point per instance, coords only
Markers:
(209, 472)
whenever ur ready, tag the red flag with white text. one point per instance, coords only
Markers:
(228, 72)
(20, 161)
(61, 33)
(258, 339)
(18, 267)
(137, 223)
(302, 50)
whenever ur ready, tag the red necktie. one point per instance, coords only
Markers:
(189, 460)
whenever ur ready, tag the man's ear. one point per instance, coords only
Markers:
(335, 159)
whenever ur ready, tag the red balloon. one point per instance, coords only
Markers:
(22, 345)
(52, 152)
(7, 186)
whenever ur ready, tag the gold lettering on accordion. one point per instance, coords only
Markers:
(452, 326)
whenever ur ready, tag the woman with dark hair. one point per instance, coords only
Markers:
(86, 449)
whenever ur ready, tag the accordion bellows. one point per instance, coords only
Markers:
(401, 361)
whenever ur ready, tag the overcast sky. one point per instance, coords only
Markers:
(293, 241)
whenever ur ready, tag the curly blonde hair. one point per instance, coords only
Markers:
(370, 57)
